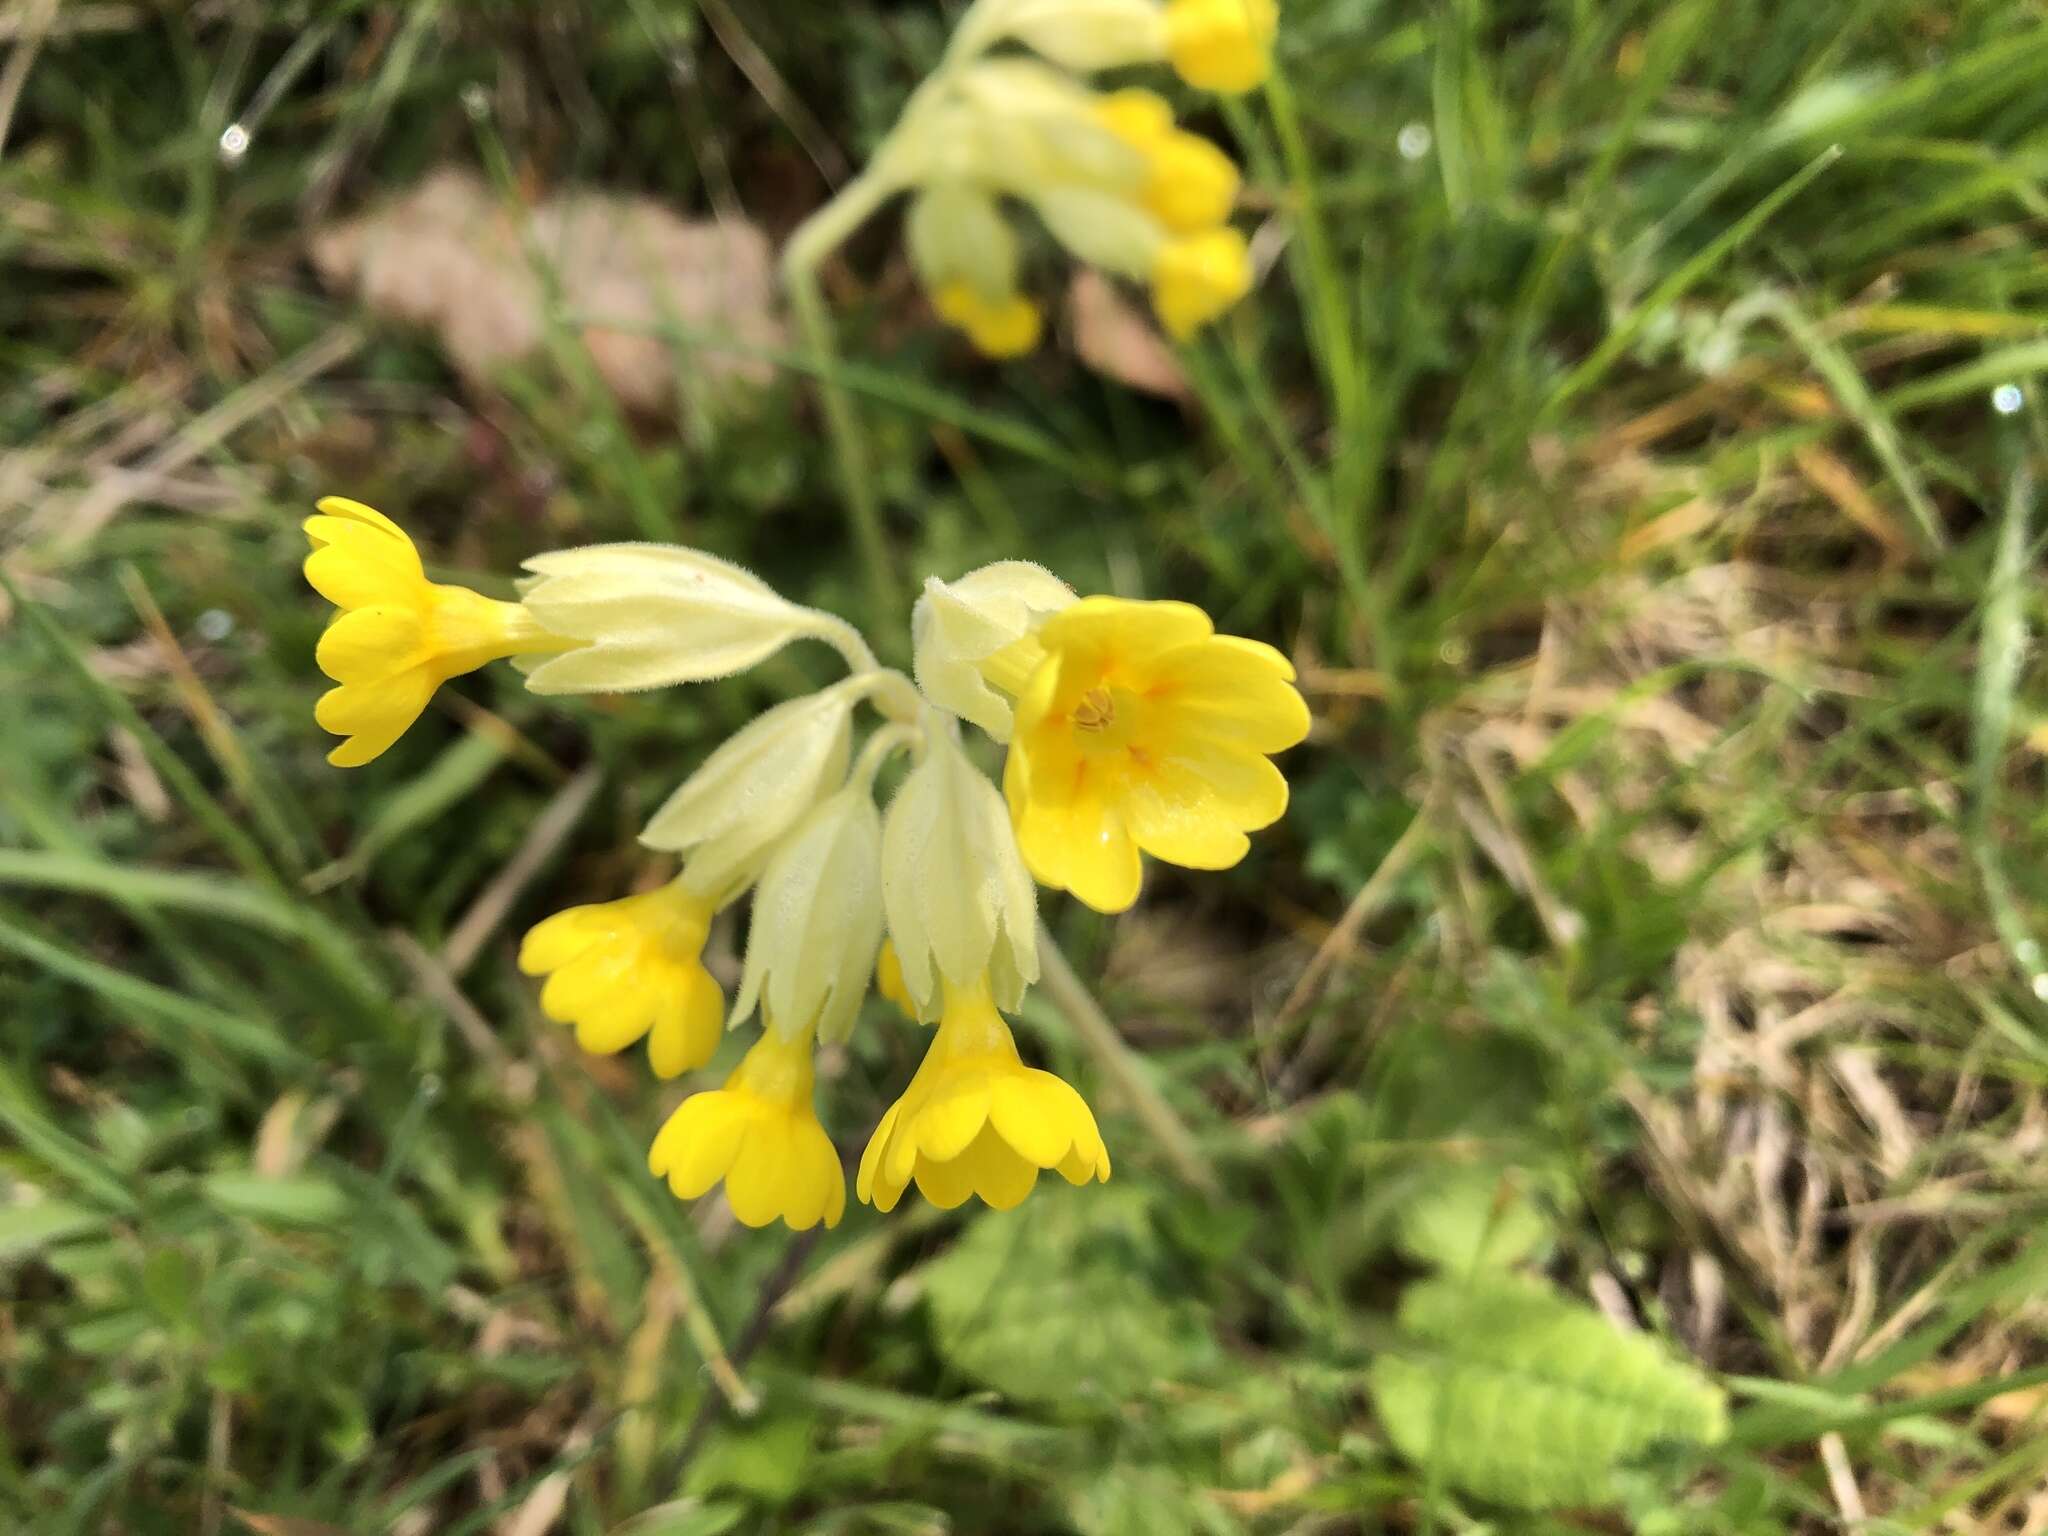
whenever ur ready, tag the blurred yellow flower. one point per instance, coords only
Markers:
(1008, 327)
(618, 970)
(1142, 729)
(399, 635)
(1221, 45)
(760, 1134)
(976, 1121)
(1197, 277)
(1189, 184)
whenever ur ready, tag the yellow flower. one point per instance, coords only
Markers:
(1190, 184)
(759, 1133)
(619, 970)
(1142, 729)
(1221, 45)
(976, 1121)
(399, 636)
(1197, 277)
(1007, 327)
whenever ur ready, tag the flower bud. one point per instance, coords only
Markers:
(653, 614)
(960, 628)
(817, 921)
(958, 897)
(729, 815)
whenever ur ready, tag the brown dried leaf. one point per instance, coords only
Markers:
(451, 256)
(1118, 342)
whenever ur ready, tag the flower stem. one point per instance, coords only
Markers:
(813, 241)
(1073, 999)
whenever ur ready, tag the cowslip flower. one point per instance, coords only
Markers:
(760, 1134)
(1142, 730)
(976, 1121)
(632, 968)
(399, 636)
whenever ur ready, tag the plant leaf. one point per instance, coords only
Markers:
(1523, 1397)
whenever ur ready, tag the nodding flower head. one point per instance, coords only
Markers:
(399, 636)
(760, 1134)
(976, 1121)
(623, 970)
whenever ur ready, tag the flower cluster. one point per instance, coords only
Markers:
(1132, 729)
(1109, 174)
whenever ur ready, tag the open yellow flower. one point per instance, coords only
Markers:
(1143, 730)
(618, 970)
(399, 635)
(1221, 45)
(760, 1134)
(976, 1121)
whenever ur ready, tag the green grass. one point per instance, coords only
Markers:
(1659, 911)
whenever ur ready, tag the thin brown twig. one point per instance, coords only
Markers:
(550, 829)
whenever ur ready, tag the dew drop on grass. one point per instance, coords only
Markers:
(1414, 141)
(2007, 399)
(215, 624)
(234, 144)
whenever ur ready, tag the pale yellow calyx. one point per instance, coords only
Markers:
(959, 900)
(973, 638)
(399, 636)
(817, 920)
(759, 1134)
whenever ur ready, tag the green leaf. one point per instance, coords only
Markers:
(28, 1229)
(1053, 1303)
(301, 1201)
(1145, 1501)
(1467, 1216)
(1520, 1396)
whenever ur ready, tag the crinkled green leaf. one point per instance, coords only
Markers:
(1055, 1302)
(1467, 1216)
(1523, 1397)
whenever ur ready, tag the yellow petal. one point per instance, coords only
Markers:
(699, 1143)
(997, 1173)
(353, 565)
(372, 715)
(370, 644)
(871, 1158)
(687, 1026)
(554, 941)
(1030, 1114)
(760, 1172)
(1130, 630)
(1082, 847)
